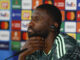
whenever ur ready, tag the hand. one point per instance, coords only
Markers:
(33, 44)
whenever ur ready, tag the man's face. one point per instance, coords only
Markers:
(40, 23)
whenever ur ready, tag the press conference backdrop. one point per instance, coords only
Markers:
(16, 14)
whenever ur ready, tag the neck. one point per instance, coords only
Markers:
(49, 42)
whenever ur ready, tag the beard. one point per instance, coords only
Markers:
(42, 34)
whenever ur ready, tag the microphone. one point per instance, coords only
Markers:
(16, 54)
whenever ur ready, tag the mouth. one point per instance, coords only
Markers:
(30, 30)
(31, 33)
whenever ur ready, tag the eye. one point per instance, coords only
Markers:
(36, 19)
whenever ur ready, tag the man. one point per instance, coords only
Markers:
(45, 40)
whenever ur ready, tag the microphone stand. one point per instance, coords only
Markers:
(16, 54)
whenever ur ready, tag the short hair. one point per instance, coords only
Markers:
(53, 12)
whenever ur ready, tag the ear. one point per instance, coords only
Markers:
(54, 26)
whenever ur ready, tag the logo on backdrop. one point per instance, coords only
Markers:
(48, 1)
(62, 27)
(4, 25)
(4, 15)
(16, 25)
(36, 3)
(16, 35)
(70, 15)
(27, 4)
(63, 15)
(24, 36)
(60, 4)
(4, 45)
(70, 4)
(15, 46)
(5, 4)
(16, 14)
(78, 27)
(4, 35)
(78, 15)
(24, 25)
(22, 44)
(70, 27)
(16, 4)
(78, 4)
(26, 14)
(73, 35)
(78, 38)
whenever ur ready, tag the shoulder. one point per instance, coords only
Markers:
(68, 39)
(64, 43)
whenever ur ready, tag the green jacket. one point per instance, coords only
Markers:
(63, 43)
